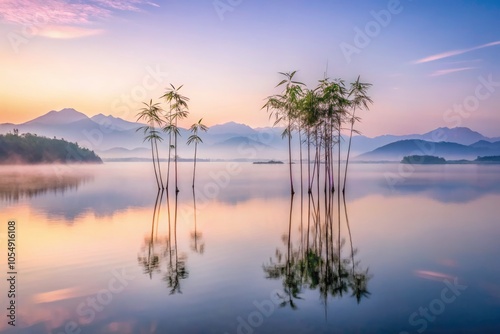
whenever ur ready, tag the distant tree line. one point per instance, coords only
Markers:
(494, 158)
(423, 160)
(32, 149)
(433, 160)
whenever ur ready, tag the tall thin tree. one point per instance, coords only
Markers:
(359, 100)
(194, 138)
(285, 108)
(178, 110)
(151, 115)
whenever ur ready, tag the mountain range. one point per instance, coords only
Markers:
(113, 137)
(449, 150)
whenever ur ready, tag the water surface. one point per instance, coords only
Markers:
(102, 252)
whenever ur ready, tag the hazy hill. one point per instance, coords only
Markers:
(459, 135)
(114, 123)
(32, 149)
(397, 150)
(233, 129)
(234, 142)
(103, 133)
(487, 145)
(120, 152)
(64, 116)
(241, 147)
(74, 126)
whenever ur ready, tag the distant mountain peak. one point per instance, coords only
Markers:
(101, 116)
(63, 116)
(239, 140)
(231, 123)
(231, 128)
(462, 135)
(114, 122)
(65, 110)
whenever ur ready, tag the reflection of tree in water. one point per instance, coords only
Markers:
(22, 183)
(150, 257)
(197, 243)
(160, 255)
(317, 261)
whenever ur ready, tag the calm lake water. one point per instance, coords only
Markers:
(99, 251)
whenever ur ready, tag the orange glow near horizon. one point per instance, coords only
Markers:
(96, 60)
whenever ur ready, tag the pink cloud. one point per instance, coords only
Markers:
(50, 12)
(454, 53)
(67, 32)
(450, 70)
(64, 12)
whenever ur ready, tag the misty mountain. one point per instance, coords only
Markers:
(450, 151)
(487, 144)
(64, 116)
(73, 126)
(120, 152)
(459, 135)
(241, 147)
(241, 141)
(114, 123)
(103, 133)
(233, 129)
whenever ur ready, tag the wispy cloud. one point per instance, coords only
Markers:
(454, 53)
(67, 32)
(450, 70)
(57, 13)
(460, 62)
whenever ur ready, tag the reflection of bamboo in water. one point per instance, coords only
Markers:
(195, 236)
(316, 262)
(349, 231)
(156, 213)
(169, 245)
(308, 220)
(175, 269)
(150, 262)
(17, 185)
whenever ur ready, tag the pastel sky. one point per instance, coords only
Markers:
(431, 63)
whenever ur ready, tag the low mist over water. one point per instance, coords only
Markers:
(101, 250)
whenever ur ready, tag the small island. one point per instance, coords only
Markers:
(423, 160)
(29, 148)
(433, 160)
(270, 162)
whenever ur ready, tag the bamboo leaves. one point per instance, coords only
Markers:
(321, 114)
